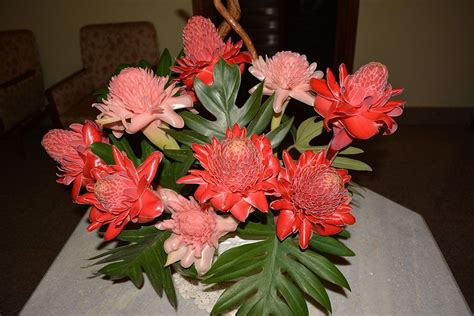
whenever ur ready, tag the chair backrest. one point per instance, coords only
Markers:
(18, 55)
(106, 46)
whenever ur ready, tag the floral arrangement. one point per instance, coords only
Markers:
(209, 169)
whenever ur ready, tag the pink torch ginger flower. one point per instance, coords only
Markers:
(196, 231)
(203, 47)
(238, 173)
(139, 101)
(357, 107)
(70, 150)
(288, 75)
(313, 198)
(122, 193)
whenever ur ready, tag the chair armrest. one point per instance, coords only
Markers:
(69, 91)
(17, 79)
(20, 99)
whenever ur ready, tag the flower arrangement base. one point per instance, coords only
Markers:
(205, 295)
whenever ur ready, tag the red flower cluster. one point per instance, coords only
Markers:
(313, 198)
(203, 47)
(238, 173)
(121, 193)
(70, 150)
(357, 107)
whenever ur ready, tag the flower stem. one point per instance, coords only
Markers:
(159, 137)
(276, 119)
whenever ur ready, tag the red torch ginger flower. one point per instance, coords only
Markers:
(196, 231)
(288, 75)
(203, 47)
(238, 173)
(122, 193)
(313, 198)
(357, 107)
(70, 150)
(137, 99)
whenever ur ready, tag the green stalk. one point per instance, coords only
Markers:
(276, 119)
(159, 137)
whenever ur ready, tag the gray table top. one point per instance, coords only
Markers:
(398, 270)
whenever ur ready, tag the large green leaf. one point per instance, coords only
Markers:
(272, 276)
(143, 253)
(219, 99)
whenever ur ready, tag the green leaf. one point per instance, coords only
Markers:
(120, 67)
(278, 134)
(172, 171)
(200, 125)
(219, 100)
(263, 117)
(349, 163)
(180, 155)
(250, 108)
(305, 133)
(101, 94)
(330, 245)
(320, 266)
(145, 64)
(104, 151)
(146, 149)
(344, 234)
(188, 137)
(189, 272)
(123, 145)
(270, 276)
(144, 253)
(351, 151)
(163, 68)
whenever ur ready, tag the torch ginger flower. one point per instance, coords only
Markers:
(313, 198)
(357, 107)
(288, 75)
(203, 47)
(196, 230)
(140, 101)
(70, 150)
(238, 173)
(122, 193)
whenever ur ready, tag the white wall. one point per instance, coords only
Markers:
(56, 25)
(428, 46)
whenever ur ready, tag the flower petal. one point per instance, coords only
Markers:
(284, 224)
(280, 97)
(258, 200)
(360, 127)
(241, 210)
(303, 96)
(305, 233)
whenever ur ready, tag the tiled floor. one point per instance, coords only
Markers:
(425, 168)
